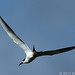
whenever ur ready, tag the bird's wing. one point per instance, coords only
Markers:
(14, 37)
(53, 52)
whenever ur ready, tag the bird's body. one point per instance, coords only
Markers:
(30, 54)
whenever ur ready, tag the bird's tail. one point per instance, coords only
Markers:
(34, 48)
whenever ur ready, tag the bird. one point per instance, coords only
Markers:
(30, 54)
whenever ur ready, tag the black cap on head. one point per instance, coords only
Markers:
(21, 63)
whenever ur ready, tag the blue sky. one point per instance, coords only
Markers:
(49, 24)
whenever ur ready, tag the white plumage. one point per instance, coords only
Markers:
(30, 55)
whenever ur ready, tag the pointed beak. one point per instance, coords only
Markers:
(21, 63)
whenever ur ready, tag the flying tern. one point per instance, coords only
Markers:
(30, 54)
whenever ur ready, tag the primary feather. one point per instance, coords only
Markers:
(31, 55)
(14, 37)
(53, 52)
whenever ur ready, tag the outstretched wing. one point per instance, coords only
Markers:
(58, 51)
(13, 36)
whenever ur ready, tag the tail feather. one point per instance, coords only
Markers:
(34, 48)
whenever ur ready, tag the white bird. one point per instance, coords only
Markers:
(30, 54)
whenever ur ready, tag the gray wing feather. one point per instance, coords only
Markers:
(53, 52)
(14, 37)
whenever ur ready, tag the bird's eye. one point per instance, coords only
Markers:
(23, 59)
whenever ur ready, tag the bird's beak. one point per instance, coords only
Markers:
(21, 63)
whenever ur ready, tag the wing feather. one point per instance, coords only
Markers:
(14, 37)
(53, 52)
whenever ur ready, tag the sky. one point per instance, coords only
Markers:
(47, 24)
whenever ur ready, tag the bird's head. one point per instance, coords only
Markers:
(22, 62)
(31, 57)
